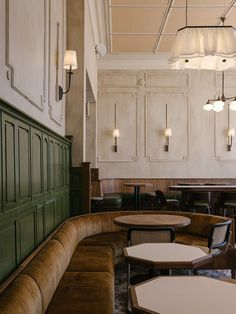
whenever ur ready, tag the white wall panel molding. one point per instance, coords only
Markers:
(56, 48)
(155, 124)
(26, 49)
(127, 114)
(122, 79)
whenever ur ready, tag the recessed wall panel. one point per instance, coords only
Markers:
(37, 163)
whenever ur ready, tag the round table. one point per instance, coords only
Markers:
(152, 220)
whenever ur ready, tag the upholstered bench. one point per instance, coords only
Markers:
(73, 270)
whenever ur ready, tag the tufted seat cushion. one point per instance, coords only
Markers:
(92, 258)
(86, 293)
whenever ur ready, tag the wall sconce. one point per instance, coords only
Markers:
(70, 63)
(168, 134)
(116, 134)
(231, 134)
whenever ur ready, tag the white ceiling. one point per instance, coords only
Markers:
(150, 26)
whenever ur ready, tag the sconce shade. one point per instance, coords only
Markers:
(232, 105)
(203, 47)
(116, 133)
(70, 60)
(231, 132)
(168, 132)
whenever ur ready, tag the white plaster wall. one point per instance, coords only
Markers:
(31, 55)
(198, 146)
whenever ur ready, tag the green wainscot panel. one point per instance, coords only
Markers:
(8, 259)
(9, 152)
(49, 216)
(39, 223)
(46, 169)
(27, 233)
(37, 163)
(23, 160)
(58, 210)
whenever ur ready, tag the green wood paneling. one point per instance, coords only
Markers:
(39, 223)
(8, 259)
(34, 178)
(49, 216)
(37, 162)
(27, 230)
(59, 216)
(9, 162)
(46, 155)
(23, 165)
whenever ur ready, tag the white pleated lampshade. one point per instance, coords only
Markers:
(211, 48)
(70, 60)
(116, 133)
(231, 132)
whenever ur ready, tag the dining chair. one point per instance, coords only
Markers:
(228, 203)
(164, 203)
(200, 201)
(219, 237)
(139, 235)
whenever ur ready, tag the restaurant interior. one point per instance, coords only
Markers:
(117, 156)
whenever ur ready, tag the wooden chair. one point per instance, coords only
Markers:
(219, 237)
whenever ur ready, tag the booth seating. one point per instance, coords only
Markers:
(73, 271)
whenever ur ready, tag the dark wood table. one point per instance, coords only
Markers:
(203, 188)
(152, 220)
(207, 188)
(137, 186)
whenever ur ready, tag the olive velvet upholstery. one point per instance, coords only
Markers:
(73, 272)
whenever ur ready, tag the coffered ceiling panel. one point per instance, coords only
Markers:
(130, 43)
(143, 25)
(136, 20)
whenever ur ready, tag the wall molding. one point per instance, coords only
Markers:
(169, 90)
(21, 92)
(132, 158)
(60, 35)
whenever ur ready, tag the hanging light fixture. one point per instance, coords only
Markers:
(217, 104)
(204, 47)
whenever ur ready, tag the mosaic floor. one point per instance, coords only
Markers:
(121, 284)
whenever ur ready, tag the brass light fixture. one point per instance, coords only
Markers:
(116, 133)
(168, 134)
(217, 104)
(70, 63)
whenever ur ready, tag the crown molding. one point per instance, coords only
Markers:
(134, 61)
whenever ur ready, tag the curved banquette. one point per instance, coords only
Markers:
(73, 271)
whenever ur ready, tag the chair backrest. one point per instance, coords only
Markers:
(161, 200)
(151, 235)
(219, 236)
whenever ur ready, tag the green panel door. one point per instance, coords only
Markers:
(9, 152)
(24, 161)
(27, 233)
(37, 163)
(8, 259)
